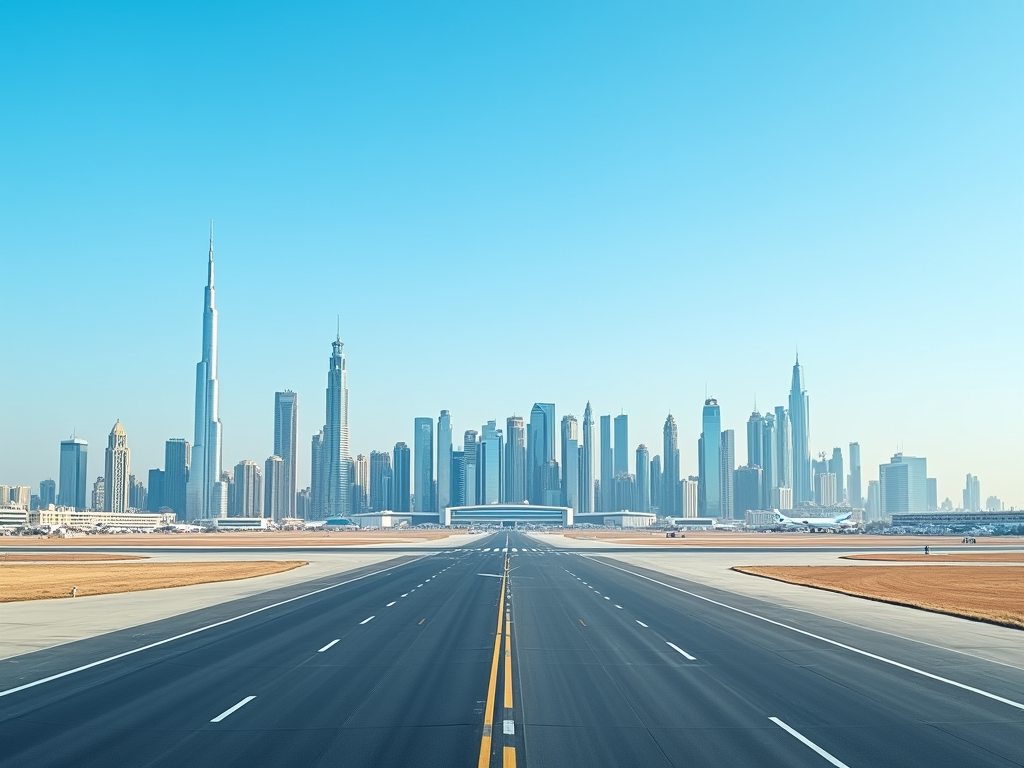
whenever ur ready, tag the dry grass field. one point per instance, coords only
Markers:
(42, 581)
(987, 593)
(51, 557)
(787, 539)
(949, 557)
(244, 539)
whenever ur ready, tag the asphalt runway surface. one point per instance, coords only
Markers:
(507, 653)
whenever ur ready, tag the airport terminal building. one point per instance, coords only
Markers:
(507, 515)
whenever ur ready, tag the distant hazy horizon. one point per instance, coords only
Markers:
(507, 205)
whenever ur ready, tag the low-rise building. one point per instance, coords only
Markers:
(60, 517)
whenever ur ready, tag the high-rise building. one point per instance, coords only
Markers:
(748, 484)
(275, 489)
(248, 495)
(769, 457)
(570, 462)
(17, 495)
(155, 499)
(423, 443)
(835, 467)
(361, 485)
(625, 493)
(933, 494)
(470, 458)
(657, 483)
(318, 477)
(856, 488)
(136, 493)
(118, 468)
(620, 453)
(903, 485)
(98, 496)
(783, 448)
(727, 463)
(515, 460)
(643, 478)
(972, 494)
(490, 463)
(444, 461)
(709, 460)
(550, 483)
(670, 469)
(607, 500)
(691, 495)
(335, 446)
(203, 498)
(302, 504)
(587, 463)
(826, 490)
(781, 499)
(381, 481)
(47, 493)
(74, 461)
(755, 439)
(993, 504)
(177, 460)
(873, 502)
(459, 478)
(286, 444)
(540, 448)
(402, 470)
(799, 405)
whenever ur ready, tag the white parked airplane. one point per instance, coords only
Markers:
(838, 523)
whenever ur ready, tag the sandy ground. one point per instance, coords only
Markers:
(993, 594)
(51, 557)
(788, 539)
(951, 557)
(41, 581)
(248, 539)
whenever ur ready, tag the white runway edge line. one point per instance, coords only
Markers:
(329, 645)
(235, 708)
(836, 643)
(641, 623)
(836, 762)
(675, 647)
(367, 621)
(216, 624)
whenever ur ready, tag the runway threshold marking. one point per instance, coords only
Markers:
(799, 736)
(836, 643)
(233, 709)
(484, 759)
(329, 645)
(675, 647)
(216, 624)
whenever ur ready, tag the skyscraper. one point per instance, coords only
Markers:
(381, 481)
(98, 497)
(607, 500)
(360, 484)
(275, 488)
(856, 499)
(709, 461)
(423, 442)
(835, 467)
(286, 444)
(825, 489)
(248, 490)
(203, 498)
(155, 498)
(903, 485)
(728, 468)
(540, 449)
(587, 462)
(691, 496)
(318, 477)
(748, 484)
(444, 461)
(755, 439)
(335, 447)
(47, 493)
(570, 462)
(470, 458)
(657, 483)
(783, 448)
(643, 478)
(401, 471)
(458, 478)
(873, 501)
(799, 420)
(769, 458)
(490, 462)
(933, 494)
(972, 494)
(136, 493)
(620, 456)
(74, 461)
(515, 460)
(670, 469)
(117, 465)
(177, 460)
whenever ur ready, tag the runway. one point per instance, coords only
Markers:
(506, 652)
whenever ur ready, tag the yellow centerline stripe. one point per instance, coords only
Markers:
(485, 740)
(509, 757)
(508, 663)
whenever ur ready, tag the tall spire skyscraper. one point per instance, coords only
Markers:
(800, 431)
(335, 447)
(204, 497)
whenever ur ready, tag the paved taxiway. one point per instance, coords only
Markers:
(586, 661)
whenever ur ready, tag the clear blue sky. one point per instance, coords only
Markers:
(516, 202)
